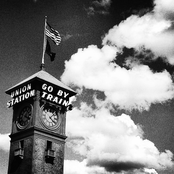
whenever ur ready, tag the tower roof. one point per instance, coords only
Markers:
(42, 76)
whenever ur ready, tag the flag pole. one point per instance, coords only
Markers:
(44, 46)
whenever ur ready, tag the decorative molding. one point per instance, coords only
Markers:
(38, 131)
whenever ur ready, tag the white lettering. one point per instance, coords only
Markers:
(50, 88)
(21, 97)
(16, 100)
(55, 99)
(21, 90)
(60, 101)
(65, 103)
(32, 93)
(8, 104)
(27, 95)
(12, 101)
(24, 89)
(44, 94)
(28, 87)
(44, 86)
(49, 97)
(16, 92)
(60, 92)
(65, 94)
(12, 94)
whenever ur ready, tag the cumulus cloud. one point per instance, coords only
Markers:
(115, 143)
(136, 88)
(152, 31)
(150, 171)
(4, 142)
(146, 31)
(164, 8)
(81, 167)
(77, 167)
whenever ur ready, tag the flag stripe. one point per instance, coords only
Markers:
(52, 34)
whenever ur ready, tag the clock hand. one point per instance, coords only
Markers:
(27, 116)
(52, 118)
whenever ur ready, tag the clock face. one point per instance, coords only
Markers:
(50, 117)
(24, 117)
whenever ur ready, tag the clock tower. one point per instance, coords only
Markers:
(39, 104)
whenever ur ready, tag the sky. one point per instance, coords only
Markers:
(119, 57)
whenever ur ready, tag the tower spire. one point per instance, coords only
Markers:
(42, 66)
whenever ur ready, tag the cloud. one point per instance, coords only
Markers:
(4, 142)
(150, 171)
(99, 7)
(77, 167)
(74, 167)
(114, 143)
(152, 31)
(81, 167)
(102, 3)
(66, 37)
(164, 8)
(136, 88)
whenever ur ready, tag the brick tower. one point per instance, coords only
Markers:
(38, 135)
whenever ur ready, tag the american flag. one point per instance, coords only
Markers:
(52, 34)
